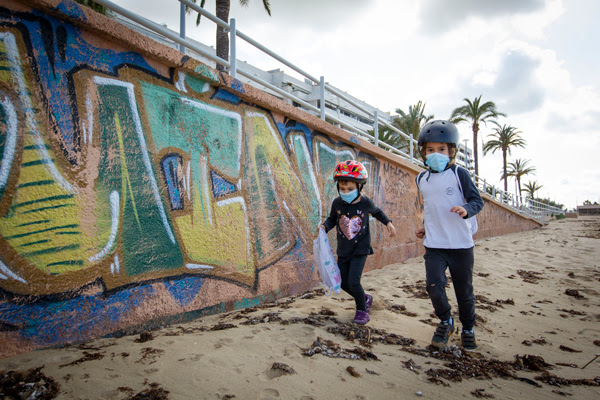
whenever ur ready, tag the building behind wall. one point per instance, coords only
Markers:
(589, 209)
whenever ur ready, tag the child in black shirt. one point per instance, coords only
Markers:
(350, 213)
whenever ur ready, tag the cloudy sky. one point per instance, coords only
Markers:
(536, 59)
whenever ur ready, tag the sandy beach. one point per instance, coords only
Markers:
(538, 307)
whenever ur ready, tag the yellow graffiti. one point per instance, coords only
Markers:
(42, 224)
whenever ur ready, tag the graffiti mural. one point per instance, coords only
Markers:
(121, 182)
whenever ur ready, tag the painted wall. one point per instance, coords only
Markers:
(140, 188)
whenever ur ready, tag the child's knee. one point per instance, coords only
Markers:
(435, 288)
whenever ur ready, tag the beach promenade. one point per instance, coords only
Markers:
(538, 309)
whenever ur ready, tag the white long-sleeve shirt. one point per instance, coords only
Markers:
(441, 191)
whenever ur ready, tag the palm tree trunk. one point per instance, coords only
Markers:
(222, 8)
(475, 152)
(504, 171)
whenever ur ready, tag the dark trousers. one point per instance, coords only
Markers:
(351, 269)
(460, 264)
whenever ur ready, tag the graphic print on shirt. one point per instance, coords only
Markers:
(350, 226)
(449, 190)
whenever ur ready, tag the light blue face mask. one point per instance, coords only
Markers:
(350, 196)
(437, 161)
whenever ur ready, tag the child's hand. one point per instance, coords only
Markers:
(420, 232)
(391, 229)
(459, 210)
(321, 227)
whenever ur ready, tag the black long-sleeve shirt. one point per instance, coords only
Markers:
(352, 221)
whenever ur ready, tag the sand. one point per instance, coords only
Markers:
(538, 306)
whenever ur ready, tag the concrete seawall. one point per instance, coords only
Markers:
(139, 187)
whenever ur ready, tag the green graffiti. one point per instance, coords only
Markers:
(306, 175)
(181, 122)
(197, 85)
(145, 239)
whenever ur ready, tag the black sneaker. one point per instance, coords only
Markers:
(443, 331)
(467, 340)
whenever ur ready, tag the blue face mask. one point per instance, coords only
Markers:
(350, 196)
(437, 161)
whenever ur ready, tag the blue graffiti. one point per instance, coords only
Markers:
(184, 290)
(236, 84)
(75, 319)
(220, 186)
(295, 126)
(225, 95)
(171, 166)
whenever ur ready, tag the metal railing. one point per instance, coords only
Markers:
(528, 207)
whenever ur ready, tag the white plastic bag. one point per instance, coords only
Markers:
(473, 224)
(326, 263)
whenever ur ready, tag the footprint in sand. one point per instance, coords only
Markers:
(223, 342)
(269, 393)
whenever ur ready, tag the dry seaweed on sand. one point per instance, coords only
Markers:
(86, 357)
(531, 363)
(572, 312)
(220, 327)
(417, 290)
(411, 365)
(149, 355)
(330, 349)
(154, 393)
(366, 336)
(400, 309)
(554, 380)
(31, 384)
(561, 393)
(568, 349)
(353, 372)
(530, 276)
(574, 293)
(480, 394)
(263, 319)
(283, 368)
(144, 337)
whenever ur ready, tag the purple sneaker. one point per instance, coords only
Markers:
(361, 317)
(368, 302)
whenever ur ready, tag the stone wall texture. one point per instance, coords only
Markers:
(140, 188)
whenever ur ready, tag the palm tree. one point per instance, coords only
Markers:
(93, 5)
(475, 112)
(411, 122)
(518, 169)
(504, 138)
(222, 12)
(388, 136)
(532, 187)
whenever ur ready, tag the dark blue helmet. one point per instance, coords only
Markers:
(438, 131)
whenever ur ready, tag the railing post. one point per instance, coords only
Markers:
(322, 96)
(232, 49)
(376, 127)
(410, 141)
(182, 26)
